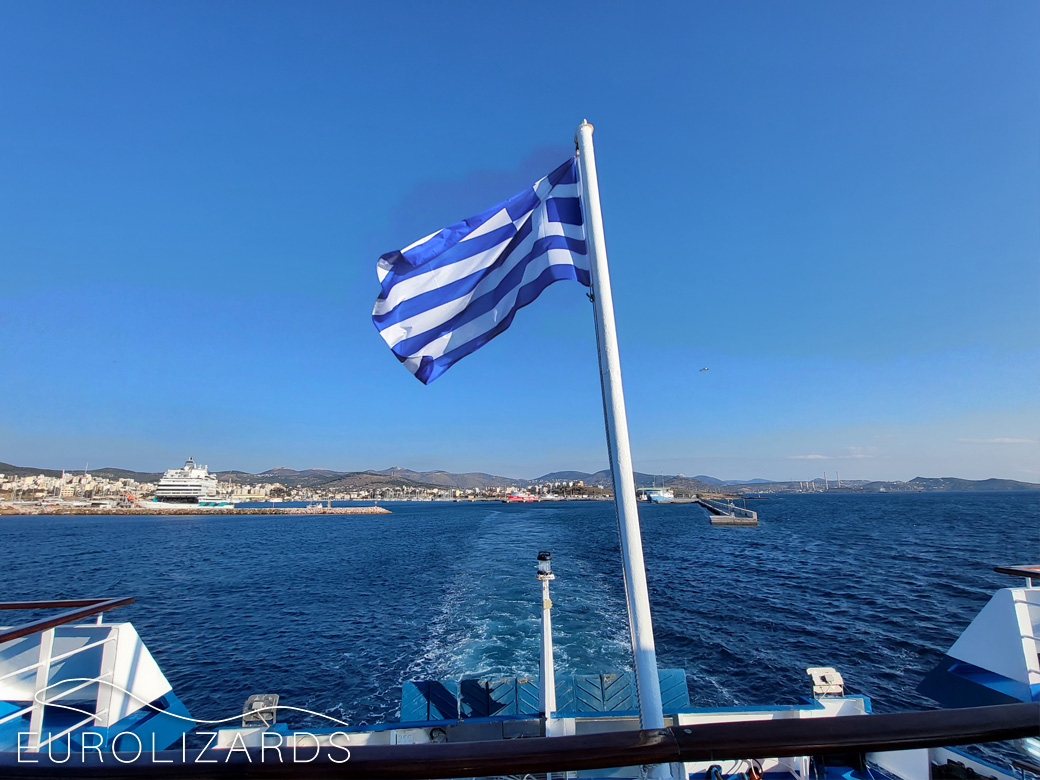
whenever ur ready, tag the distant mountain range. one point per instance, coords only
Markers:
(107, 473)
(402, 477)
(953, 483)
(603, 479)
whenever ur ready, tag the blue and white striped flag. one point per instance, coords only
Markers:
(450, 293)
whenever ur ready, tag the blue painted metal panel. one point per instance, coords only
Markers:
(502, 696)
(565, 693)
(473, 699)
(161, 723)
(588, 693)
(527, 697)
(674, 693)
(415, 703)
(955, 683)
(447, 700)
(619, 692)
(443, 696)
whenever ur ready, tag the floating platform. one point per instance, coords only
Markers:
(725, 513)
(733, 520)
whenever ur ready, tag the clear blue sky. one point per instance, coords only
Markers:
(833, 206)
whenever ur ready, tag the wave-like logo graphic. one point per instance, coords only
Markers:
(149, 705)
(26, 752)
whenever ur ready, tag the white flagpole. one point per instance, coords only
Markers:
(648, 686)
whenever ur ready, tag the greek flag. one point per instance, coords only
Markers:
(450, 293)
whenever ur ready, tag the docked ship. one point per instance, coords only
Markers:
(192, 484)
(655, 495)
(519, 497)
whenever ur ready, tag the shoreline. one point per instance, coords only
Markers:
(11, 511)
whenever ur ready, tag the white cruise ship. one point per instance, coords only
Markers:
(192, 484)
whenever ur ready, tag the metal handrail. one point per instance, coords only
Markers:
(1029, 571)
(61, 657)
(1026, 766)
(82, 648)
(55, 737)
(69, 691)
(853, 734)
(51, 603)
(16, 714)
(84, 608)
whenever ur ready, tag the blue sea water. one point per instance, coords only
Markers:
(333, 612)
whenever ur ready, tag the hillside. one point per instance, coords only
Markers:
(106, 472)
(953, 483)
(471, 479)
(475, 480)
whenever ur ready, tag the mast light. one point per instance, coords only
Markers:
(545, 566)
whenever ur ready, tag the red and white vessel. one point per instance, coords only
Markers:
(518, 498)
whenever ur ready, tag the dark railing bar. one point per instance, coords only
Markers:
(1028, 766)
(870, 733)
(53, 604)
(92, 607)
(1030, 571)
(854, 734)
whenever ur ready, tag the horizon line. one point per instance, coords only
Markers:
(87, 470)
